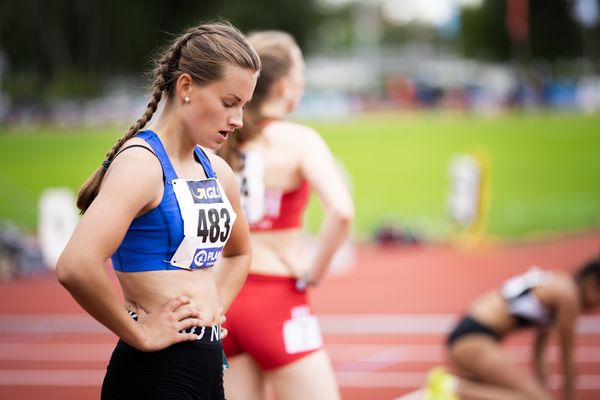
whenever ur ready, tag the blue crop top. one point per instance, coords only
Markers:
(153, 238)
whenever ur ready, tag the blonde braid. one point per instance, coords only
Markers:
(164, 76)
(203, 59)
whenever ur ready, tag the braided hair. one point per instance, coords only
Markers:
(202, 52)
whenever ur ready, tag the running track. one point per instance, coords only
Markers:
(384, 321)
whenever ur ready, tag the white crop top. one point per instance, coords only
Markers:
(523, 304)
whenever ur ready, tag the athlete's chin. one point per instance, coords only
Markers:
(219, 143)
(221, 138)
(214, 145)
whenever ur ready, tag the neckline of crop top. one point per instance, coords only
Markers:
(153, 238)
(522, 302)
(169, 172)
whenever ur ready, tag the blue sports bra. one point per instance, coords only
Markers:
(189, 227)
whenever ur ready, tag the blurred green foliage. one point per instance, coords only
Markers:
(71, 48)
(74, 48)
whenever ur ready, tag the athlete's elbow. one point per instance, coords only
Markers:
(243, 259)
(66, 272)
(247, 260)
(344, 217)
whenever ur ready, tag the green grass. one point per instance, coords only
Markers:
(544, 169)
(34, 159)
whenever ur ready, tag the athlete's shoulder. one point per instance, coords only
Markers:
(137, 156)
(565, 283)
(134, 177)
(220, 166)
(295, 136)
(291, 128)
(213, 158)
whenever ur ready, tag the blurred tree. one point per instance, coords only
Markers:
(553, 32)
(66, 48)
(71, 48)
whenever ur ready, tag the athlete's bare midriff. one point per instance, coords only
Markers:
(150, 290)
(492, 311)
(277, 252)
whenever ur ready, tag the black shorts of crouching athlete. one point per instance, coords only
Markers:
(469, 326)
(184, 371)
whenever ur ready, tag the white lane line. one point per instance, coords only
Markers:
(51, 377)
(376, 360)
(414, 380)
(50, 323)
(352, 357)
(385, 352)
(369, 356)
(413, 324)
(401, 380)
(32, 351)
(381, 379)
(387, 323)
(416, 395)
(339, 324)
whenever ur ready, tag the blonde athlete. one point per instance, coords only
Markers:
(273, 337)
(168, 215)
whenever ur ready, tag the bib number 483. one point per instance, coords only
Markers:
(209, 225)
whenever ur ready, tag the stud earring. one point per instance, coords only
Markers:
(187, 99)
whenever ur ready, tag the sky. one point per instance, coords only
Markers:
(434, 12)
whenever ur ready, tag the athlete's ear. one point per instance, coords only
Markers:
(183, 87)
(282, 87)
(593, 291)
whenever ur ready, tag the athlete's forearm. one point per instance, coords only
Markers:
(569, 376)
(541, 373)
(231, 275)
(96, 294)
(567, 341)
(569, 387)
(539, 364)
(334, 231)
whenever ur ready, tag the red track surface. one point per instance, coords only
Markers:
(384, 321)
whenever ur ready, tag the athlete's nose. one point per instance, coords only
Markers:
(236, 119)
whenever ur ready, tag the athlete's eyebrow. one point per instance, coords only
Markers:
(234, 95)
(238, 99)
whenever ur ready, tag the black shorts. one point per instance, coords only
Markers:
(468, 326)
(184, 371)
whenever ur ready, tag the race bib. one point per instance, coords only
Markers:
(207, 222)
(252, 186)
(302, 332)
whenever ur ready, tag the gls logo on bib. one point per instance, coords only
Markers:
(205, 191)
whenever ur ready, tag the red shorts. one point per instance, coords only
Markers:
(271, 321)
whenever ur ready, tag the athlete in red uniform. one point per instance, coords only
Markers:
(273, 337)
